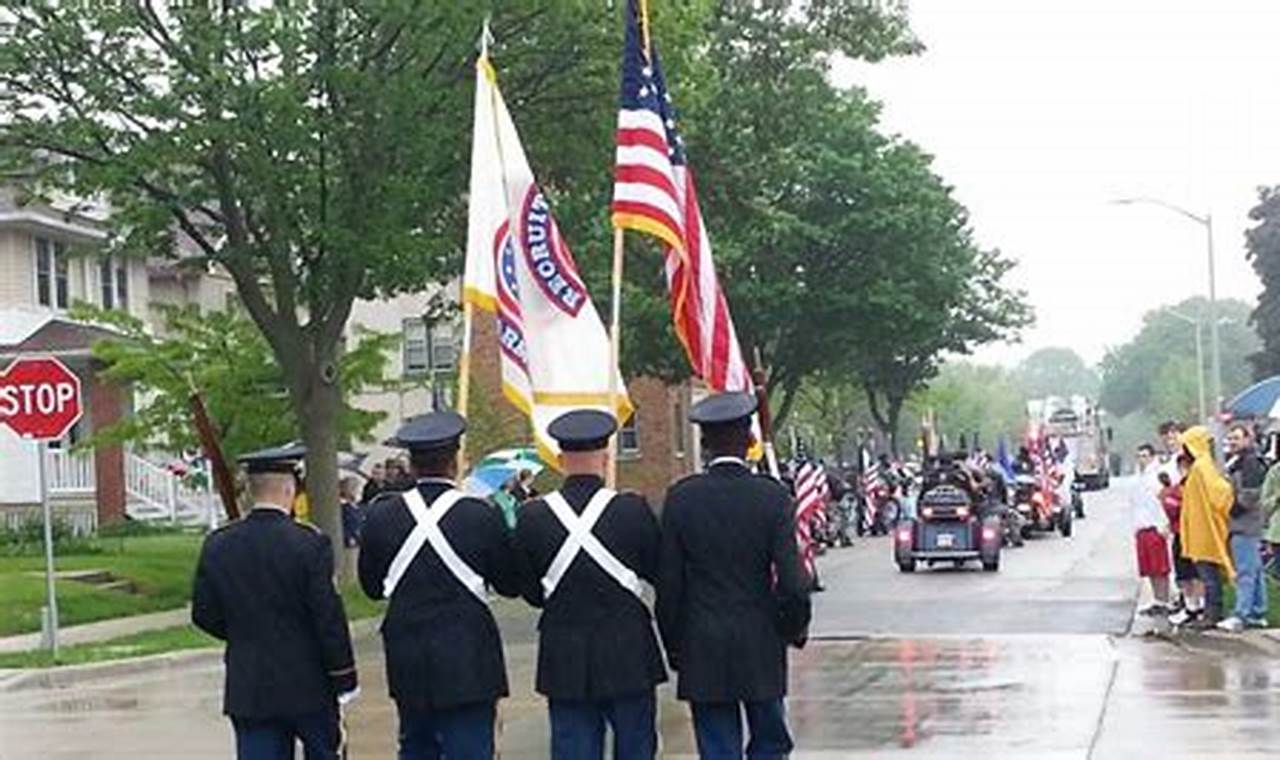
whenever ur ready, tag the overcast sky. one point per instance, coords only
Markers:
(1040, 112)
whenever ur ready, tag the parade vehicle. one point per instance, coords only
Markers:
(1077, 423)
(881, 508)
(1038, 507)
(947, 528)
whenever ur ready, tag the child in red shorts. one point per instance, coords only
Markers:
(1149, 523)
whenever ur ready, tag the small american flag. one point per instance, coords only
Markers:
(812, 491)
(654, 193)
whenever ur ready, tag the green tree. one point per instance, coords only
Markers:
(315, 151)
(1131, 372)
(225, 357)
(1263, 244)
(1057, 371)
(986, 400)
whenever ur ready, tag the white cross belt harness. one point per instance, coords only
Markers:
(581, 539)
(427, 531)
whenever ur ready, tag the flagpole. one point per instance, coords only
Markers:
(464, 374)
(615, 351)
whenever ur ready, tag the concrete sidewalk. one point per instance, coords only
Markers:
(103, 630)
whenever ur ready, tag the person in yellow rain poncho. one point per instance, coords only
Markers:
(1206, 504)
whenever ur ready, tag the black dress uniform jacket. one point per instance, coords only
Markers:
(442, 644)
(264, 584)
(725, 621)
(596, 639)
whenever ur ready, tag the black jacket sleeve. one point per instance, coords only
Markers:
(525, 546)
(791, 589)
(329, 618)
(373, 560)
(648, 537)
(206, 606)
(669, 604)
(502, 565)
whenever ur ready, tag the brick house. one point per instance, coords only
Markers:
(47, 263)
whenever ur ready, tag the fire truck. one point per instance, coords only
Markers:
(1076, 423)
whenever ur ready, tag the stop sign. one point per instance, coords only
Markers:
(39, 398)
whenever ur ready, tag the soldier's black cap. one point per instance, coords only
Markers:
(282, 459)
(724, 409)
(434, 430)
(583, 429)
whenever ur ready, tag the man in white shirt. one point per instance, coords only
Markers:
(1150, 526)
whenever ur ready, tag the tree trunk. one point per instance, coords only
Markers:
(319, 404)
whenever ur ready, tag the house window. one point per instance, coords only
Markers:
(629, 438)
(417, 347)
(114, 279)
(122, 286)
(52, 278)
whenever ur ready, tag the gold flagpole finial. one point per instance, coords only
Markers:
(486, 38)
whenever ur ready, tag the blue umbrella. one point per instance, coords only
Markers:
(1261, 399)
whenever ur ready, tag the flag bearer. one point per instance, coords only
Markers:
(586, 549)
(264, 585)
(432, 551)
(731, 593)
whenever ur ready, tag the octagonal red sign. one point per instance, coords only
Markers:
(39, 398)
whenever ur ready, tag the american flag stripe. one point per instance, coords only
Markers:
(654, 192)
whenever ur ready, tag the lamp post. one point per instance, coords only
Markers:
(1199, 356)
(1205, 221)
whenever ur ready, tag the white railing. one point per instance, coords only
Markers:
(70, 473)
(155, 493)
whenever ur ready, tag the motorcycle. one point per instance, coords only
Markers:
(881, 508)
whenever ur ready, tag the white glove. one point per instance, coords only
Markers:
(348, 697)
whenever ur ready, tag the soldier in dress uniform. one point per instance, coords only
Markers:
(432, 551)
(731, 593)
(264, 585)
(585, 550)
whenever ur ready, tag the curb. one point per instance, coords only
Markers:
(66, 676)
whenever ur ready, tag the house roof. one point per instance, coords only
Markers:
(39, 217)
(32, 331)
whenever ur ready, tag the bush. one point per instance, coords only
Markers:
(27, 539)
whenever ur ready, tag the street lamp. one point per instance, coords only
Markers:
(1199, 355)
(1205, 221)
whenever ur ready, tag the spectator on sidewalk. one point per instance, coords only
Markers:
(1271, 514)
(1150, 526)
(1206, 504)
(1190, 604)
(1247, 472)
(376, 484)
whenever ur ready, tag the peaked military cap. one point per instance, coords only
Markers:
(276, 459)
(724, 409)
(434, 430)
(583, 429)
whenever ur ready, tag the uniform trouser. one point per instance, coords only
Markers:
(1211, 576)
(1251, 585)
(273, 738)
(464, 732)
(577, 728)
(718, 728)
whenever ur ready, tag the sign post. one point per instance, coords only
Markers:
(40, 401)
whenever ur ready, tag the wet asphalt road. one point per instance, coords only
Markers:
(1031, 662)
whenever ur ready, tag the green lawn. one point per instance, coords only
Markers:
(161, 566)
(1273, 601)
(151, 642)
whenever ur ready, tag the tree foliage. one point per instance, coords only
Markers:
(224, 356)
(1056, 371)
(1263, 244)
(1155, 372)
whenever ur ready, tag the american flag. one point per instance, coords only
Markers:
(653, 192)
(812, 491)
